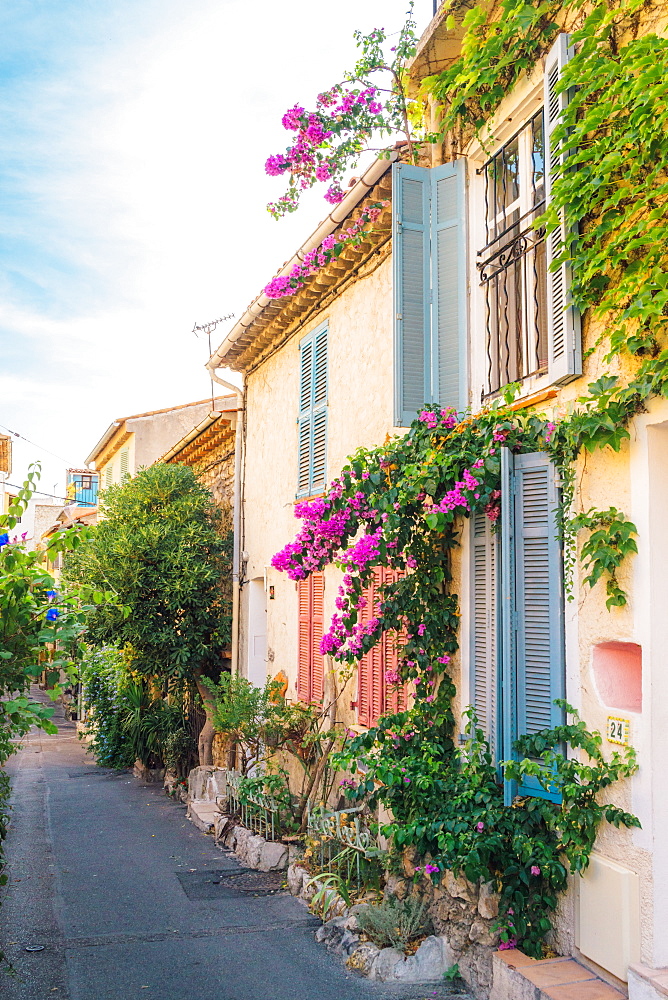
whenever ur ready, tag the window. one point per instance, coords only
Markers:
(85, 482)
(531, 328)
(517, 643)
(125, 463)
(512, 262)
(311, 613)
(312, 420)
(429, 260)
(108, 475)
(375, 695)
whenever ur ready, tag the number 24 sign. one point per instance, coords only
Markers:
(618, 730)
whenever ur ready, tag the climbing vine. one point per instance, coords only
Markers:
(403, 503)
(371, 102)
(614, 190)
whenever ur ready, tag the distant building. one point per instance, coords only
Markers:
(5, 468)
(83, 486)
(133, 443)
(209, 450)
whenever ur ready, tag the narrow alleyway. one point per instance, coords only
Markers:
(101, 870)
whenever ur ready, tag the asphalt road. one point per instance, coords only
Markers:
(107, 875)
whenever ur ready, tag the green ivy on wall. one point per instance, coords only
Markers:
(403, 495)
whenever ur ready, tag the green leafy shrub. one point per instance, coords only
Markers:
(126, 722)
(450, 805)
(163, 546)
(395, 923)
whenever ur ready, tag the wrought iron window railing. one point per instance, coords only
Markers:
(512, 264)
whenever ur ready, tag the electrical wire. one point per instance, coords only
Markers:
(79, 503)
(39, 446)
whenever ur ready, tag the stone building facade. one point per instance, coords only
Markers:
(607, 662)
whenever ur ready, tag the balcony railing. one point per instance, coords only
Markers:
(512, 264)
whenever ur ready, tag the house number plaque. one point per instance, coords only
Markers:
(618, 730)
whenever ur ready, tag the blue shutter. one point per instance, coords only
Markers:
(483, 660)
(304, 422)
(319, 451)
(320, 367)
(534, 660)
(312, 419)
(411, 193)
(508, 617)
(304, 455)
(563, 320)
(449, 313)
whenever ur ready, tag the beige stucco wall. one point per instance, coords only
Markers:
(635, 480)
(361, 414)
(360, 405)
(156, 434)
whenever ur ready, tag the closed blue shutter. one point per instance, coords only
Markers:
(484, 676)
(319, 431)
(312, 419)
(563, 320)
(411, 187)
(533, 615)
(448, 258)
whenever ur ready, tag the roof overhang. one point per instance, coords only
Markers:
(259, 305)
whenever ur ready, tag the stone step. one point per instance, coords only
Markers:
(203, 814)
(518, 977)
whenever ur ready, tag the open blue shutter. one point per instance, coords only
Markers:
(508, 616)
(448, 253)
(563, 320)
(534, 647)
(484, 675)
(411, 193)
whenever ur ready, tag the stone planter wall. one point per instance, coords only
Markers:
(463, 914)
(148, 774)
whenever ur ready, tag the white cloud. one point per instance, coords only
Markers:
(136, 194)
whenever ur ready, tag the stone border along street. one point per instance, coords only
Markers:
(96, 864)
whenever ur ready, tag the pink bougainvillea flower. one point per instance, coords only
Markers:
(480, 827)
(507, 945)
(535, 870)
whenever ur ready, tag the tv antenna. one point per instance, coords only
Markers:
(207, 329)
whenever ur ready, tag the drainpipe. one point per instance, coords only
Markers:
(236, 549)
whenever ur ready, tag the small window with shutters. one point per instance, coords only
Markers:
(517, 656)
(125, 463)
(376, 695)
(312, 418)
(531, 326)
(108, 475)
(311, 615)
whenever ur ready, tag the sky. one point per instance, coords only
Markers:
(133, 194)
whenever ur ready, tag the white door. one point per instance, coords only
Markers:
(257, 632)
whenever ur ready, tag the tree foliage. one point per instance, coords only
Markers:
(162, 546)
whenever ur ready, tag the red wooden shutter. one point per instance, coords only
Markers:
(304, 652)
(395, 698)
(376, 657)
(364, 668)
(317, 629)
